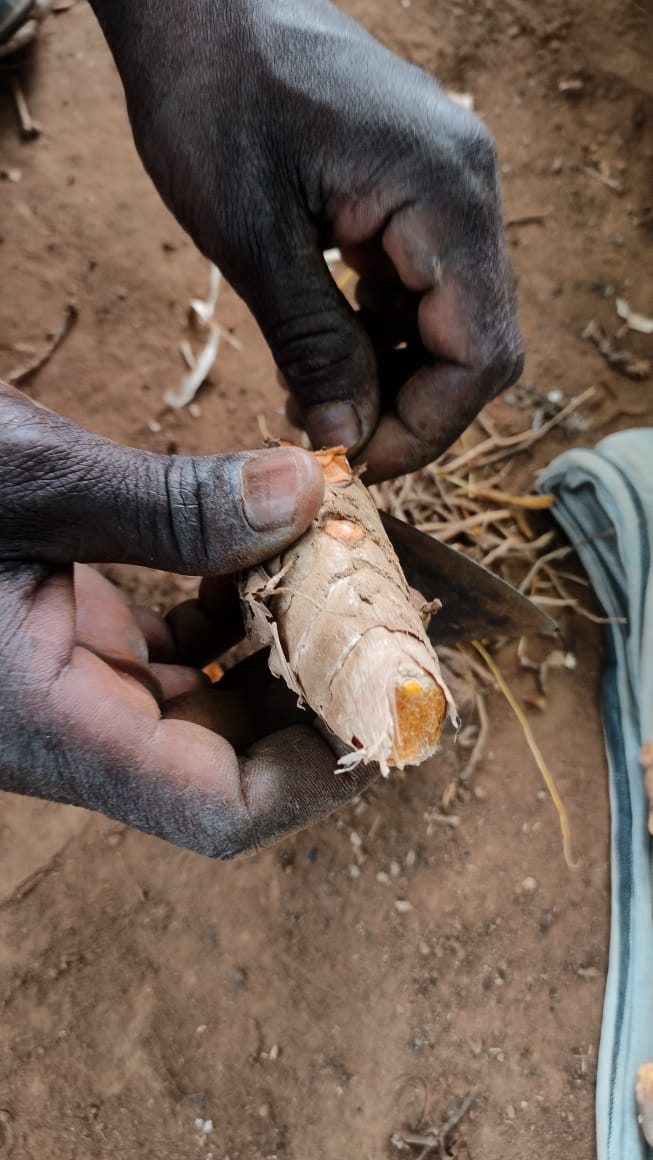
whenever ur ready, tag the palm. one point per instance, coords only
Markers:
(148, 741)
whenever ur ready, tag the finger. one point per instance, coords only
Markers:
(222, 712)
(68, 495)
(178, 680)
(173, 778)
(244, 706)
(252, 677)
(205, 628)
(272, 705)
(431, 410)
(290, 780)
(158, 637)
(470, 338)
(88, 735)
(467, 314)
(316, 339)
(103, 619)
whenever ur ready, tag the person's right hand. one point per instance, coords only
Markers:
(106, 707)
(274, 129)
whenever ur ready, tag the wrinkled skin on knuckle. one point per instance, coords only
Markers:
(204, 513)
(311, 346)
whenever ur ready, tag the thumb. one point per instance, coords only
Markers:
(66, 495)
(317, 341)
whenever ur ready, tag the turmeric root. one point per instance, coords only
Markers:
(344, 634)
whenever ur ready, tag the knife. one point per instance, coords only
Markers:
(475, 602)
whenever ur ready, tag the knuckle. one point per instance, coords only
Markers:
(318, 353)
(478, 169)
(309, 343)
(475, 145)
(183, 511)
(505, 365)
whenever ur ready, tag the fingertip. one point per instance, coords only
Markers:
(393, 450)
(310, 486)
(334, 424)
(282, 489)
(158, 637)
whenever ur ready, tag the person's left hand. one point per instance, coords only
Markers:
(106, 707)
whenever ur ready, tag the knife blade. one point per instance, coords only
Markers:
(475, 602)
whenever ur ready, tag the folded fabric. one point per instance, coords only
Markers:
(604, 503)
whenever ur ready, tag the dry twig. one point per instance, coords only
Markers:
(22, 374)
(433, 1141)
(467, 502)
(29, 128)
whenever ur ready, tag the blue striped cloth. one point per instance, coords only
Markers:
(604, 503)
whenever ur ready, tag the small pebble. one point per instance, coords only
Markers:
(529, 885)
(154, 426)
(403, 906)
(194, 410)
(395, 869)
(573, 85)
(354, 871)
(274, 1052)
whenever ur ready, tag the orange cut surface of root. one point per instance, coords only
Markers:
(420, 714)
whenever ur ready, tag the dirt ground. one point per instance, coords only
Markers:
(286, 998)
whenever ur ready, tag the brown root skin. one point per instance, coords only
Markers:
(344, 632)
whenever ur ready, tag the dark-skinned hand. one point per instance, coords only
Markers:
(273, 131)
(105, 706)
(276, 129)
